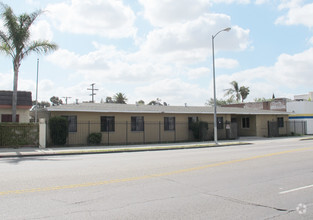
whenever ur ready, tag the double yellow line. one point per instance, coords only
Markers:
(73, 186)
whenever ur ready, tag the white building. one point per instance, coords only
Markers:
(302, 111)
(305, 97)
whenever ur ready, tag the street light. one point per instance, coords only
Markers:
(214, 89)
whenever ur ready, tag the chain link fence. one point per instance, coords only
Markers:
(151, 132)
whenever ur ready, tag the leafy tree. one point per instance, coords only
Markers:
(120, 98)
(244, 92)
(220, 102)
(109, 99)
(16, 42)
(156, 102)
(56, 101)
(141, 102)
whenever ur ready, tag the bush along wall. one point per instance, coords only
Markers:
(58, 130)
(94, 138)
(200, 130)
(18, 134)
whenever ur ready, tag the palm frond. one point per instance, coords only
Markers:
(40, 47)
(5, 43)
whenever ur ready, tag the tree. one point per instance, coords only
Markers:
(56, 101)
(155, 102)
(220, 102)
(238, 92)
(108, 99)
(120, 98)
(233, 91)
(141, 102)
(16, 43)
(244, 92)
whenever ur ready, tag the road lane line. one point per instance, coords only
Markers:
(296, 189)
(129, 179)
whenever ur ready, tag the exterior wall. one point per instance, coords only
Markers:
(305, 97)
(275, 105)
(251, 131)
(153, 130)
(302, 111)
(23, 114)
(262, 127)
(154, 127)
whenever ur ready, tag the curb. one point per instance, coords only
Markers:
(122, 150)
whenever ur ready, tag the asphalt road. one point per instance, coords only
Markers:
(270, 179)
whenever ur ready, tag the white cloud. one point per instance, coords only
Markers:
(286, 4)
(198, 72)
(41, 31)
(232, 1)
(174, 91)
(109, 18)
(260, 2)
(191, 41)
(106, 63)
(298, 15)
(290, 72)
(165, 12)
(226, 63)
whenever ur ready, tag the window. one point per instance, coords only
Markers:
(72, 122)
(220, 122)
(137, 123)
(191, 120)
(246, 122)
(107, 123)
(8, 118)
(169, 123)
(280, 122)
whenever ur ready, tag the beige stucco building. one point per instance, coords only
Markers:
(127, 124)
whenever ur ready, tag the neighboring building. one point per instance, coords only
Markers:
(125, 124)
(305, 97)
(301, 111)
(278, 104)
(24, 103)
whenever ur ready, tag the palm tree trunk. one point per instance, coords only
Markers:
(14, 98)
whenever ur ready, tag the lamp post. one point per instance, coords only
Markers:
(214, 88)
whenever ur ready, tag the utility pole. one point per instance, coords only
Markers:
(66, 98)
(36, 110)
(93, 92)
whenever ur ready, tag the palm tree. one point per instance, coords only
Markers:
(120, 98)
(233, 91)
(16, 43)
(244, 92)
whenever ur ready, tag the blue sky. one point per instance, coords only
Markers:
(152, 49)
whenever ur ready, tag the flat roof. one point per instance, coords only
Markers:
(132, 108)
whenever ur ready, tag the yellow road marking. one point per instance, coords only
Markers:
(105, 182)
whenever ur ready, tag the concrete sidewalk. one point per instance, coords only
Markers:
(35, 151)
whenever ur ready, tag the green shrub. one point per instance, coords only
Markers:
(94, 138)
(199, 130)
(58, 130)
(18, 134)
